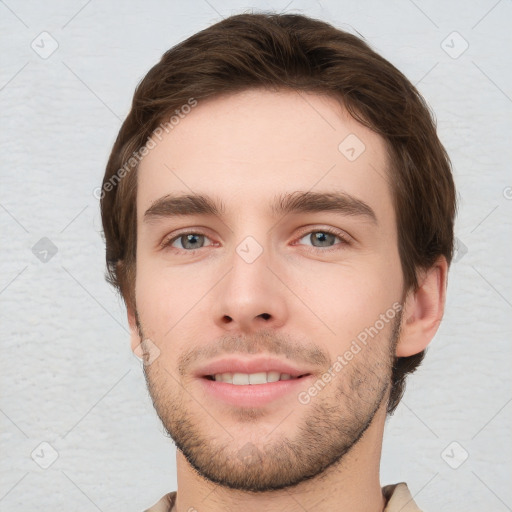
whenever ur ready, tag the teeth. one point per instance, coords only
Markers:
(256, 378)
(273, 376)
(240, 379)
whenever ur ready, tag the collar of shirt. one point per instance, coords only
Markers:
(398, 499)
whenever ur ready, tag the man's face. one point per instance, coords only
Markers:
(270, 284)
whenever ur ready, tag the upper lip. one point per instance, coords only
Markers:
(253, 365)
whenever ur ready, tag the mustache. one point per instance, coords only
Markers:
(266, 341)
(263, 341)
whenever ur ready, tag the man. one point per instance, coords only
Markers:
(278, 213)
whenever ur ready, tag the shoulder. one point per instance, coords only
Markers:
(165, 504)
(399, 498)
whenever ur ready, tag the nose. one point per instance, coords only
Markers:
(250, 297)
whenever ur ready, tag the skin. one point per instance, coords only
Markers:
(304, 302)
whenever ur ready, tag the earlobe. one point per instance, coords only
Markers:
(423, 310)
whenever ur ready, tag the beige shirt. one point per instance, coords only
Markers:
(398, 498)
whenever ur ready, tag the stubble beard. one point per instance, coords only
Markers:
(335, 421)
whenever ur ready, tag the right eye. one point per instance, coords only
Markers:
(188, 242)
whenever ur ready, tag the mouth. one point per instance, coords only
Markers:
(242, 379)
(255, 382)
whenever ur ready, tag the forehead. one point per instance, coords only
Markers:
(247, 147)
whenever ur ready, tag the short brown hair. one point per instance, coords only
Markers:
(295, 52)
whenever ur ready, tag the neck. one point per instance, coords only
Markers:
(350, 485)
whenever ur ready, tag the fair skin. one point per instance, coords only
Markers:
(301, 303)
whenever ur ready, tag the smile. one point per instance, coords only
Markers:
(241, 379)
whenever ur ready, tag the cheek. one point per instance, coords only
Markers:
(345, 298)
(168, 298)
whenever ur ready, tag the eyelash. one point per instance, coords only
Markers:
(344, 240)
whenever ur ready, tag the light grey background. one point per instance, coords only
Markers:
(68, 377)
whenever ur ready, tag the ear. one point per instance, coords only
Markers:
(423, 310)
(125, 276)
(135, 339)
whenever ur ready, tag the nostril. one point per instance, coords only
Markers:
(266, 316)
(226, 319)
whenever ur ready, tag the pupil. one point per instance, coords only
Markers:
(323, 238)
(191, 240)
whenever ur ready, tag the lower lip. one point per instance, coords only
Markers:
(254, 395)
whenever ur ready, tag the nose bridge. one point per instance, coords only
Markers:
(249, 275)
(249, 263)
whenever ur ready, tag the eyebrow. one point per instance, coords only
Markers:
(186, 204)
(309, 202)
(284, 204)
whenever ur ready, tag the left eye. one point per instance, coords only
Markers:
(322, 238)
(189, 241)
